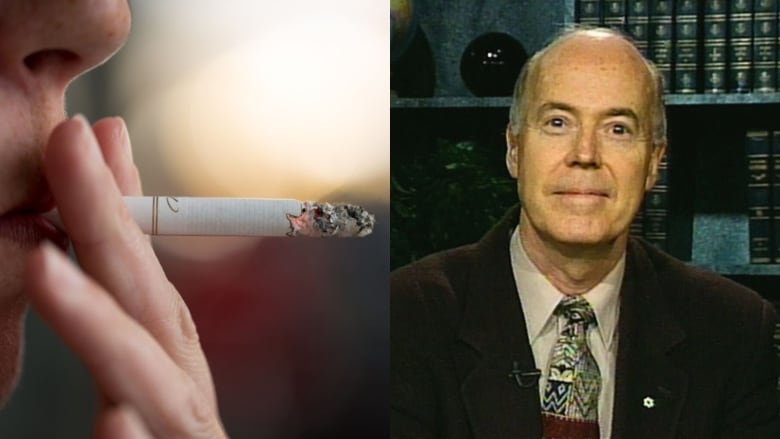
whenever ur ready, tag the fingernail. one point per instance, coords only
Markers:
(89, 143)
(123, 136)
(81, 119)
(82, 122)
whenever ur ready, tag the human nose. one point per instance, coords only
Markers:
(586, 149)
(48, 43)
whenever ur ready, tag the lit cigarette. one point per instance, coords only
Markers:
(244, 217)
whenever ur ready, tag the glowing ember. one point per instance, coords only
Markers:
(325, 219)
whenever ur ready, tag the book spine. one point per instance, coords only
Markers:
(589, 12)
(774, 179)
(657, 208)
(686, 53)
(740, 46)
(638, 24)
(615, 14)
(776, 339)
(714, 46)
(758, 198)
(661, 46)
(637, 226)
(764, 46)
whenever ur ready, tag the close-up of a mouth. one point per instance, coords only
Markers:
(582, 193)
(29, 229)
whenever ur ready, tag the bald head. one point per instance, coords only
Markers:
(601, 52)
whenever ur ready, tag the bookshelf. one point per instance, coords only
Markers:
(706, 131)
(442, 139)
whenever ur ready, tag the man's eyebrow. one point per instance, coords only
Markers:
(627, 112)
(547, 106)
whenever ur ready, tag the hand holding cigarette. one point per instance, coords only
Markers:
(244, 217)
(116, 310)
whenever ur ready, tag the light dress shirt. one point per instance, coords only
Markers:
(539, 298)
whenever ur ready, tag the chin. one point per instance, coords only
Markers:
(580, 231)
(579, 242)
(13, 306)
(11, 345)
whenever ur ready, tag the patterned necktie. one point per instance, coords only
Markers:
(570, 402)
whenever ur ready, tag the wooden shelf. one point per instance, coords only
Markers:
(743, 270)
(723, 99)
(451, 102)
(505, 102)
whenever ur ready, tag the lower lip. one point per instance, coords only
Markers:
(582, 198)
(29, 230)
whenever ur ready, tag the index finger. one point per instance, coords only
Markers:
(112, 249)
(129, 367)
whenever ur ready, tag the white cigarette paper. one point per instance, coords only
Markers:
(166, 215)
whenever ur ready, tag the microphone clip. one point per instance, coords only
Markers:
(524, 378)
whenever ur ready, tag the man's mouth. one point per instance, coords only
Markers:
(28, 229)
(582, 193)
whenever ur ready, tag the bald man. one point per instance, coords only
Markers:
(485, 337)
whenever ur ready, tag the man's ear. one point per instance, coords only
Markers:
(655, 159)
(511, 152)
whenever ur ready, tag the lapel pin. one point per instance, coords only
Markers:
(648, 402)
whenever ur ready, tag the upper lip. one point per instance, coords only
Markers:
(38, 206)
(25, 212)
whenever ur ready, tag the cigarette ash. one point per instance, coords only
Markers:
(325, 219)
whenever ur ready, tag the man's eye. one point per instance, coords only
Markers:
(556, 126)
(620, 130)
(556, 122)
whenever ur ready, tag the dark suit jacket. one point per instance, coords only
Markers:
(696, 343)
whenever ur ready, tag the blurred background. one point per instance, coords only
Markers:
(252, 99)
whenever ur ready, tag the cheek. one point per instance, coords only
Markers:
(632, 178)
(537, 169)
(526, 177)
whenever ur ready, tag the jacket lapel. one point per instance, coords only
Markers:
(494, 344)
(649, 389)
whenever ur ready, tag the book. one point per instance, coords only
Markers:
(656, 211)
(757, 151)
(638, 24)
(660, 50)
(589, 12)
(614, 14)
(637, 226)
(714, 46)
(686, 53)
(740, 46)
(765, 46)
(776, 340)
(774, 180)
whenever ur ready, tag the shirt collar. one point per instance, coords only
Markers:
(539, 297)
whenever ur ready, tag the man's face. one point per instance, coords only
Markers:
(44, 44)
(584, 157)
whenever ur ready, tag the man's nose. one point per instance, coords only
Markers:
(51, 42)
(586, 149)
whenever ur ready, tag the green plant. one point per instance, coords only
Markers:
(447, 197)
